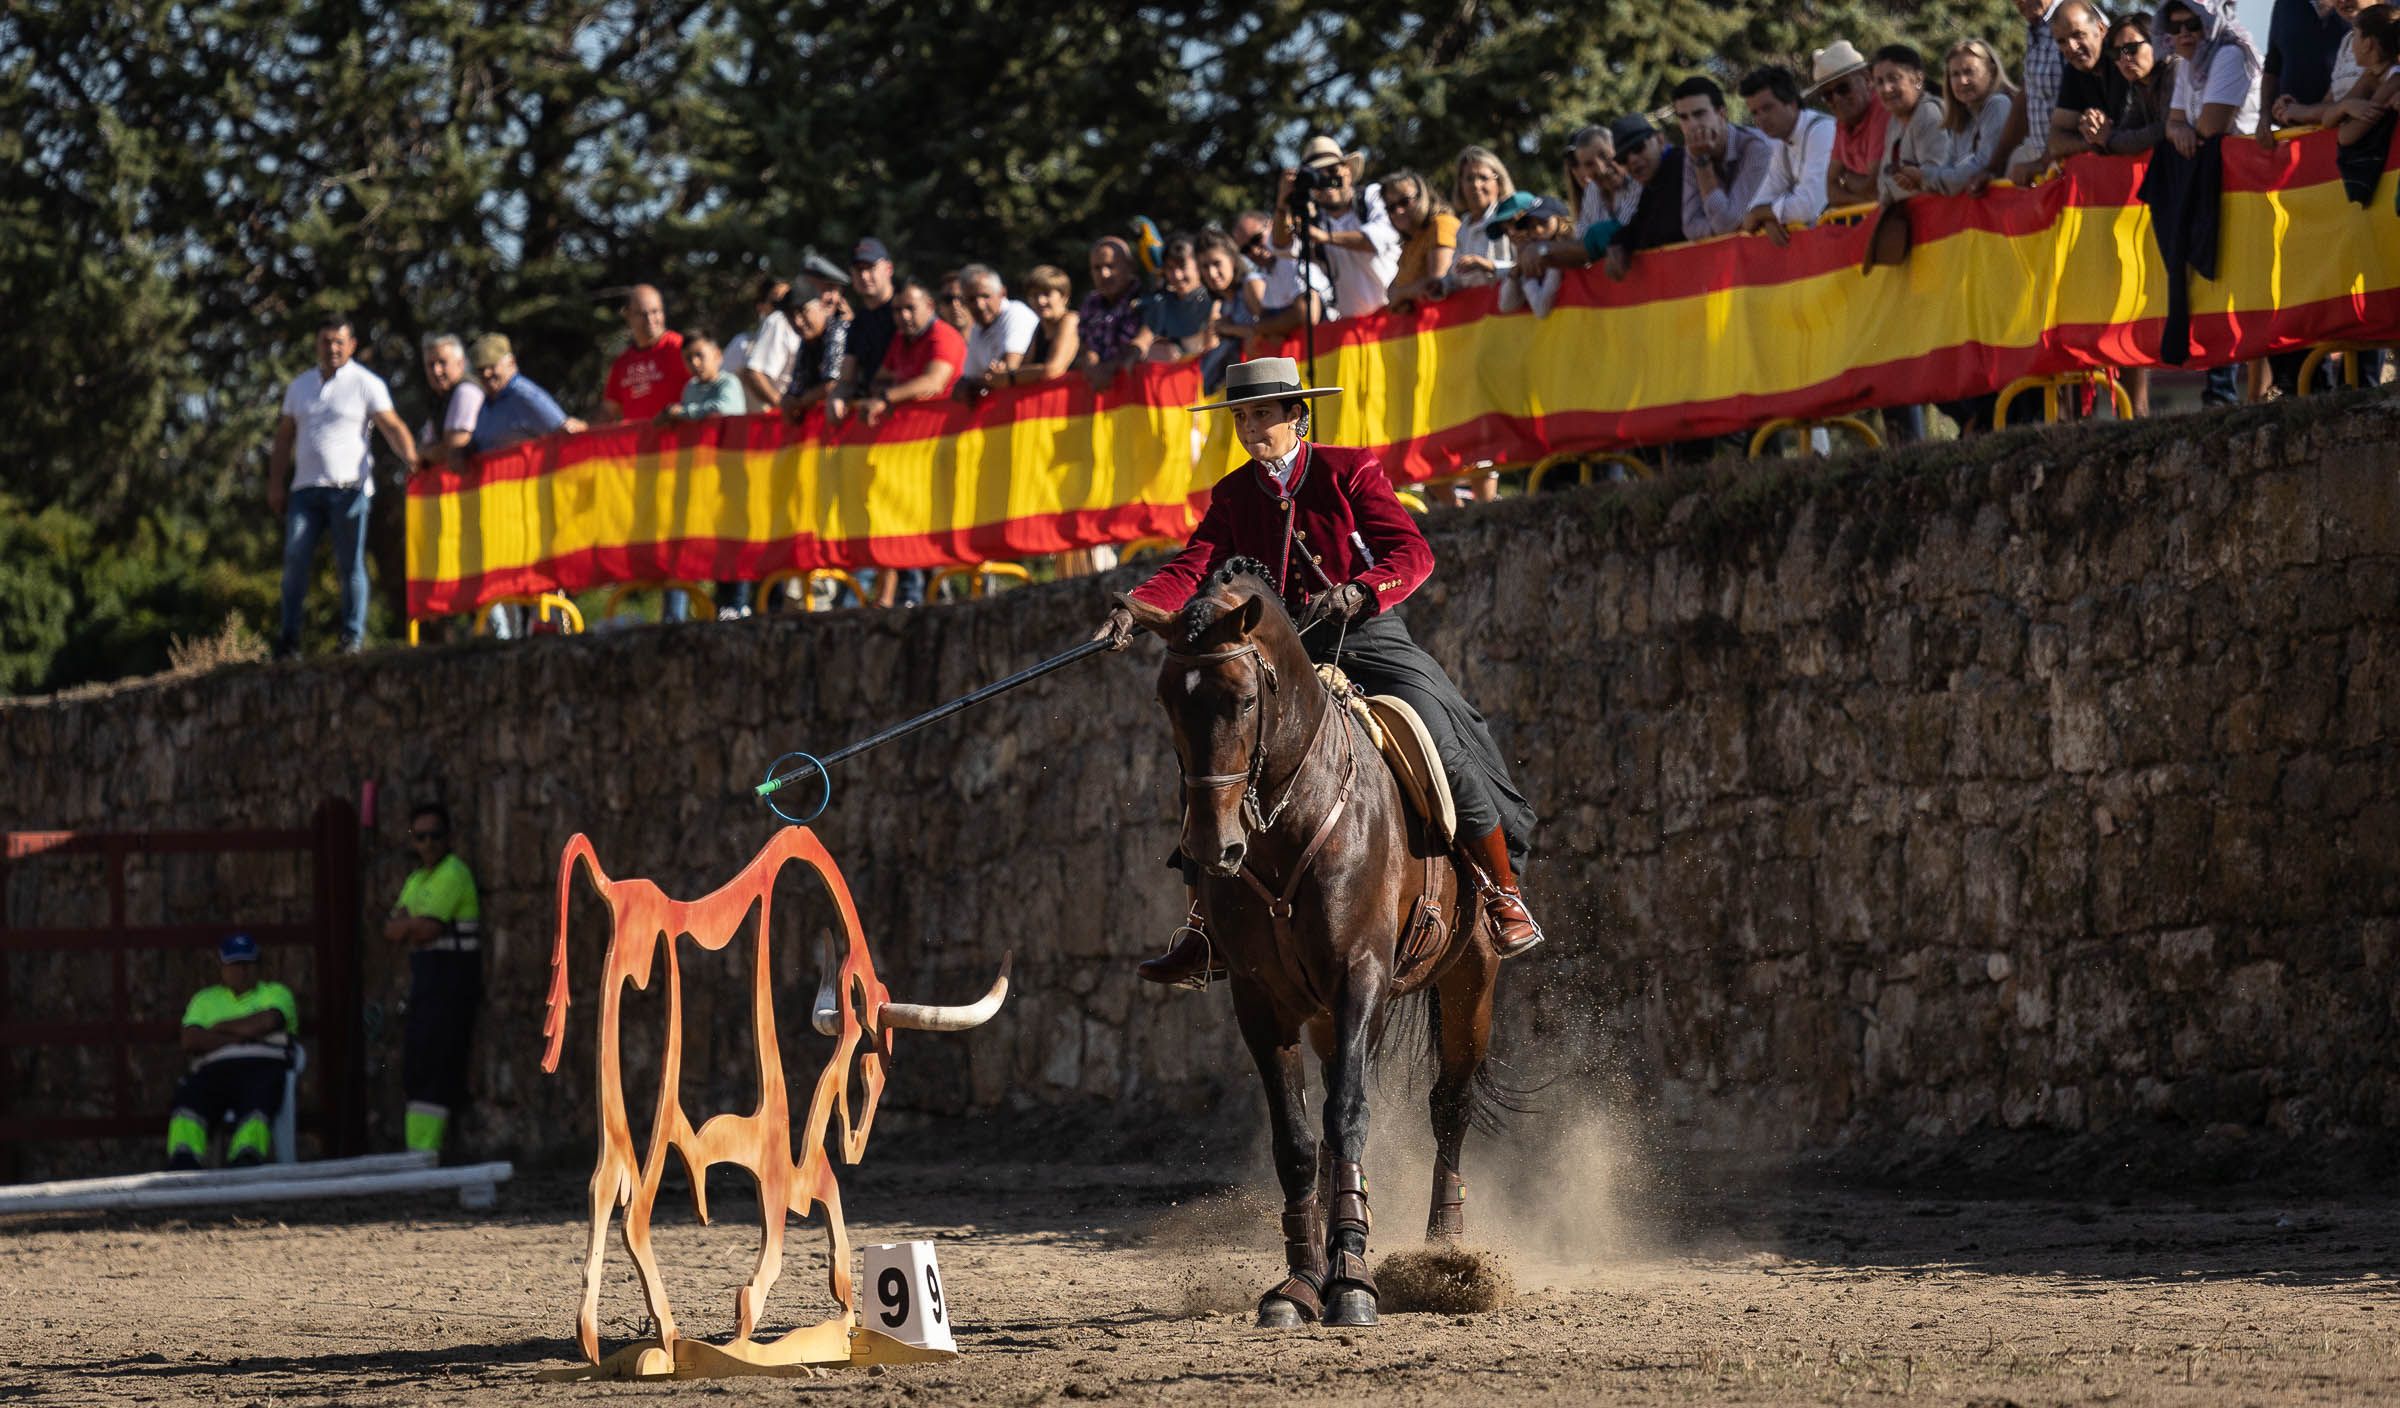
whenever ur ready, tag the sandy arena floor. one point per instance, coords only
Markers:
(1103, 1283)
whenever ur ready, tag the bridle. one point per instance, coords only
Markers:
(1260, 817)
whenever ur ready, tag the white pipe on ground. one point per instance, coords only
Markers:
(472, 1179)
(10, 1193)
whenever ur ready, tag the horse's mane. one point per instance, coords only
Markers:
(1204, 610)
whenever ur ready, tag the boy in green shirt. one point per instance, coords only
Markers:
(441, 921)
(239, 1036)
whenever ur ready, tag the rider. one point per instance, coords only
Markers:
(1344, 552)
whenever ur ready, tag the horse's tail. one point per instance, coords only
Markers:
(554, 1017)
(1412, 1034)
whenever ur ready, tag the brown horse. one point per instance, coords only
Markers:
(1328, 901)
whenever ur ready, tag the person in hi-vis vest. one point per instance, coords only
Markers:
(239, 1036)
(440, 920)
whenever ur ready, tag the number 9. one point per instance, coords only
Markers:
(933, 1294)
(892, 1289)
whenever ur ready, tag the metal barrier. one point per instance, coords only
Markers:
(544, 606)
(1633, 465)
(1141, 546)
(809, 580)
(695, 591)
(1767, 433)
(2349, 354)
(978, 577)
(2050, 387)
(329, 1004)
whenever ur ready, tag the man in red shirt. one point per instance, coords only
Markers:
(923, 361)
(647, 377)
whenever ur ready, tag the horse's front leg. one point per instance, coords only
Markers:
(1349, 1287)
(1275, 1045)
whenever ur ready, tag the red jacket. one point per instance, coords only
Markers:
(1339, 493)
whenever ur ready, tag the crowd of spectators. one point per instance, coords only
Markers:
(1857, 130)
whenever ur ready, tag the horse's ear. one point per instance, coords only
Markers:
(1253, 610)
(1155, 619)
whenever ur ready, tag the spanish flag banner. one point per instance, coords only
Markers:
(1700, 339)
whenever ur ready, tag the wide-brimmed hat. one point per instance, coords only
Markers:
(1834, 62)
(1324, 151)
(1264, 379)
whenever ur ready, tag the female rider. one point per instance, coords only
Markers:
(1326, 520)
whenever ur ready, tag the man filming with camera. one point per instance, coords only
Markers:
(1344, 223)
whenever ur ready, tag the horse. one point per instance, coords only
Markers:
(1325, 897)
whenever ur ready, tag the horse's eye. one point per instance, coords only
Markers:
(1249, 702)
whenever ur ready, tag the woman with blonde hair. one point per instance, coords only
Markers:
(1479, 183)
(1429, 232)
(1977, 102)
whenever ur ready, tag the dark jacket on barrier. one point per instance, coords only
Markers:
(2185, 198)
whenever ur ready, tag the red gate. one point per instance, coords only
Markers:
(329, 1020)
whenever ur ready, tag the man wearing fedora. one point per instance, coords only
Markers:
(1352, 234)
(1348, 553)
(1860, 122)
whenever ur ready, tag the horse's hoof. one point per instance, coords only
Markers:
(1276, 1313)
(1351, 1305)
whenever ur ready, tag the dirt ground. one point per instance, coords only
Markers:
(1118, 1283)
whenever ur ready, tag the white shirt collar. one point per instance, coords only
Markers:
(1280, 470)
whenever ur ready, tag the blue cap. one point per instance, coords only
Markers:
(869, 251)
(238, 948)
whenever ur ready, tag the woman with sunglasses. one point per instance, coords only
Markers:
(2216, 76)
(2140, 120)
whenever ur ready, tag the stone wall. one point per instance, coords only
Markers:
(2047, 785)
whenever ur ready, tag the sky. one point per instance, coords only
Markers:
(2253, 15)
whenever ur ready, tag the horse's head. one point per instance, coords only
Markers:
(1232, 685)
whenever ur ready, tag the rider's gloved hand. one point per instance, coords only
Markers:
(1117, 630)
(1346, 602)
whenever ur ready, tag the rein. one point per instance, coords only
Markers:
(1279, 905)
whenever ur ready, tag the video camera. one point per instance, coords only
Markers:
(1308, 180)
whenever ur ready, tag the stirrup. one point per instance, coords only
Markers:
(1491, 891)
(1192, 931)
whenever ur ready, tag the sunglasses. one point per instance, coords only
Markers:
(2128, 49)
(2188, 24)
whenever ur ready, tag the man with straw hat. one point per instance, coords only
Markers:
(1344, 553)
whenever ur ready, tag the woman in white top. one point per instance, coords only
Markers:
(1481, 183)
(1980, 103)
(2216, 80)
(1915, 137)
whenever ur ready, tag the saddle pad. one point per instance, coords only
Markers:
(1409, 749)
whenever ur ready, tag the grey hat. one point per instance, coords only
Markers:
(1264, 379)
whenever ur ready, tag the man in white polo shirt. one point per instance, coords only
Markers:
(321, 453)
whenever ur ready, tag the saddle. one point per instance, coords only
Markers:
(1400, 736)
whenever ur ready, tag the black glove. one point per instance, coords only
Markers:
(1346, 602)
(1117, 630)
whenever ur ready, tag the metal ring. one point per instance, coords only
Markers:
(824, 799)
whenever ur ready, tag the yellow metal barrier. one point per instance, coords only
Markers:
(978, 577)
(809, 581)
(616, 599)
(543, 606)
(1633, 465)
(2350, 361)
(2050, 386)
(1767, 433)
(1414, 502)
(1141, 546)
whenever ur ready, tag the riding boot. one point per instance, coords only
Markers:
(1190, 962)
(1501, 898)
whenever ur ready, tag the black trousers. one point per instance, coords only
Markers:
(1380, 657)
(444, 990)
(240, 1085)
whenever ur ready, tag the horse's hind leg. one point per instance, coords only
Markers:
(1349, 1286)
(1299, 1297)
(1462, 1034)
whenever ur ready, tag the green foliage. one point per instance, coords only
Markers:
(185, 189)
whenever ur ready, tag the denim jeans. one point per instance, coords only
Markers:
(307, 517)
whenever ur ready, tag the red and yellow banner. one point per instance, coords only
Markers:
(1700, 339)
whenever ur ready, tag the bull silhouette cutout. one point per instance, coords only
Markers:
(852, 1005)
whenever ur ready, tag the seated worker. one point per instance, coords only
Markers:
(239, 1036)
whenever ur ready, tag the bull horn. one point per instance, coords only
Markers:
(923, 1017)
(827, 1015)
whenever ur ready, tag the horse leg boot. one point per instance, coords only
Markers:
(1350, 1293)
(1502, 900)
(1191, 960)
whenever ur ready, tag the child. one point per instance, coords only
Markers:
(712, 391)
